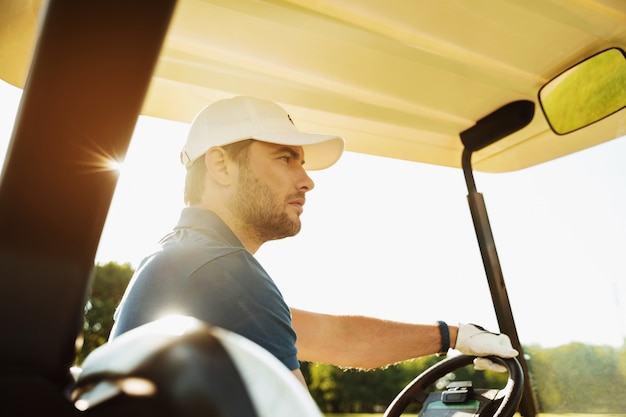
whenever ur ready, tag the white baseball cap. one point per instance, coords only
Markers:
(240, 118)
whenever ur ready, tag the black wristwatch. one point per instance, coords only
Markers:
(445, 338)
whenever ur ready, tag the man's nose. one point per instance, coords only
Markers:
(306, 183)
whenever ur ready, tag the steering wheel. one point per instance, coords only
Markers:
(506, 400)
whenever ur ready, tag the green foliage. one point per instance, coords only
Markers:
(574, 378)
(579, 378)
(109, 283)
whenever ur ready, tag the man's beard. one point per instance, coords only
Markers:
(256, 205)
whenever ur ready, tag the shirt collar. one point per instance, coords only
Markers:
(198, 218)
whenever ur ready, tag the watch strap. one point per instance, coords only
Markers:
(445, 338)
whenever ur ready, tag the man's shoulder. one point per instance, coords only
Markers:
(193, 251)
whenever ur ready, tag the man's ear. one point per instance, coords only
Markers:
(218, 165)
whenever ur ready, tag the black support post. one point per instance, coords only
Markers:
(495, 278)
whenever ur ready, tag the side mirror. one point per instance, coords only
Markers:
(586, 93)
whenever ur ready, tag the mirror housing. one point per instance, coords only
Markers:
(585, 93)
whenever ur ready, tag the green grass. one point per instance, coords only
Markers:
(517, 415)
(353, 415)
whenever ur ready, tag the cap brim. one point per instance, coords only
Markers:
(320, 151)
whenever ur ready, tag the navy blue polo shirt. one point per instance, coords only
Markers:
(203, 270)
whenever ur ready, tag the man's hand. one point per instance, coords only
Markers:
(476, 341)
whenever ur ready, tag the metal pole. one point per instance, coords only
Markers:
(499, 295)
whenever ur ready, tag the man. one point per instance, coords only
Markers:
(246, 184)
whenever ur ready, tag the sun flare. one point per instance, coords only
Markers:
(114, 165)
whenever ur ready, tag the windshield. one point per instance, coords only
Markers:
(394, 239)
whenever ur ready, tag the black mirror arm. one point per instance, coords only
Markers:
(466, 163)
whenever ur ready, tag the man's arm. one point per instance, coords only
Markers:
(363, 342)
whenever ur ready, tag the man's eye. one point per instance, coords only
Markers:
(285, 158)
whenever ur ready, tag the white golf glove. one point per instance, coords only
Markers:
(475, 341)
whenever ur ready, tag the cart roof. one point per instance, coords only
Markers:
(395, 78)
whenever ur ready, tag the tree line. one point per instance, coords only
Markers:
(571, 378)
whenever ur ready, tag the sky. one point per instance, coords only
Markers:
(394, 239)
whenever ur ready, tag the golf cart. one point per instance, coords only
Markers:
(393, 78)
